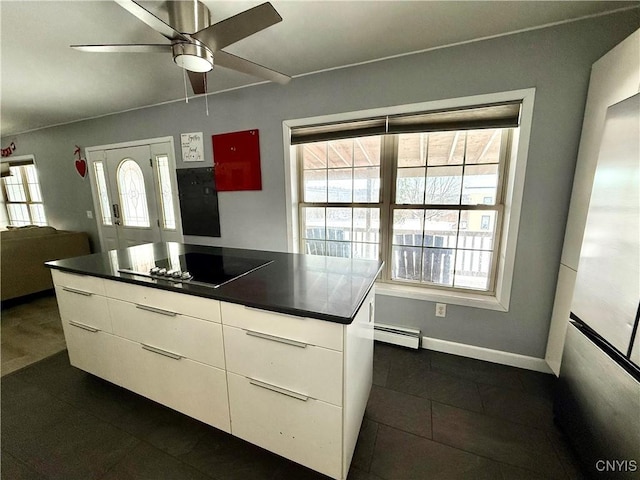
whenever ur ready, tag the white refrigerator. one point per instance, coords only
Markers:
(598, 398)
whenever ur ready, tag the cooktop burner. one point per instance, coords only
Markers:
(201, 268)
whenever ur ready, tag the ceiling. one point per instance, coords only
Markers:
(44, 82)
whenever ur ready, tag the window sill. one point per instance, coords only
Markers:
(488, 302)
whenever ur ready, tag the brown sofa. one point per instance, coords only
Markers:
(23, 252)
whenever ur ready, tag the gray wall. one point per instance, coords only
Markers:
(556, 61)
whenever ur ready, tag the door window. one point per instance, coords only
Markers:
(133, 196)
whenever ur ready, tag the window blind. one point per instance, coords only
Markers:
(503, 115)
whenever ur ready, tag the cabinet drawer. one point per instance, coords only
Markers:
(312, 370)
(83, 308)
(308, 432)
(190, 305)
(189, 337)
(301, 329)
(81, 283)
(192, 388)
(91, 351)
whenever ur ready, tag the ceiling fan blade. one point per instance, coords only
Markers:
(228, 60)
(198, 82)
(232, 29)
(150, 19)
(124, 48)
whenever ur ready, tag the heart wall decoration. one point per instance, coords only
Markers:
(81, 163)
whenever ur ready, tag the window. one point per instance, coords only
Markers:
(22, 194)
(133, 195)
(434, 194)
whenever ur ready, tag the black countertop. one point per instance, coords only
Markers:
(326, 288)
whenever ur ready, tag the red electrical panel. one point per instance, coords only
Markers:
(236, 161)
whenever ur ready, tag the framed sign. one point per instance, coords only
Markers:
(192, 147)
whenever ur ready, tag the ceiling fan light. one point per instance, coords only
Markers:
(193, 57)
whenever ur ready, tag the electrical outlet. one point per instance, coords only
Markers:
(441, 309)
(89, 214)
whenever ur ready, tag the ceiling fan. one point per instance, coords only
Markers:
(195, 43)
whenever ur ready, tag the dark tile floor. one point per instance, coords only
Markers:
(430, 416)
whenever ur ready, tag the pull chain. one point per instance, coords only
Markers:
(206, 95)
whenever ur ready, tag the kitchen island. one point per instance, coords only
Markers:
(274, 348)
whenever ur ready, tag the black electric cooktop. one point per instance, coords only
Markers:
(201, 268)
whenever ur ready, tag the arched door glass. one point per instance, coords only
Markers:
(133, 198)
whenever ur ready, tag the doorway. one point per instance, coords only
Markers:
(135, 193)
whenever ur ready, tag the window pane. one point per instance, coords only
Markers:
(480, 232)
(369, 251)
(315, 185)
(314, 223)
(441, 228)
(366, 151)
(480, 185)
(18, 214)
(340, 185)
(166, 193)
(412, 149)
(437, 266)
(483, 146)
(37, 214)
(473, 269)
(338, 249)
(408, 227)
(339, 224)
(103, 194)
(133, 196)
(314, 155)
(366, 225)
(314, 247)
(406, 263)
(366, 185)
(32, 183)
(340, 153)
(443, 185)
(410, 185)
(14, 186)
(446, 148)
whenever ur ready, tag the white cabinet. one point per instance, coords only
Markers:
(163, 345)
(190, 387)
(295, 386)
(299, 386)
(300, 428)
(86, 323)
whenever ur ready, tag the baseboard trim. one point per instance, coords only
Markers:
(487, 354)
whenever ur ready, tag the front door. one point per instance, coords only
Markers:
(134, 209)
(135, 194)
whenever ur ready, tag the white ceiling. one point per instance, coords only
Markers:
(44, 82)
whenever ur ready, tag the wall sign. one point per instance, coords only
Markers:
(236, 161)
(192, 147)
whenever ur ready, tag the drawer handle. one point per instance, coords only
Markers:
(83, 326)
(156, 310)
(159, 351)
(75, 290)
(262, 310)
(280, 390)
(274, 338)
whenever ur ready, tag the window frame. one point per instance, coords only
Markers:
(22, 162)
(513, 187)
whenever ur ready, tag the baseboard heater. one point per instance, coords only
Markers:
(406, 337)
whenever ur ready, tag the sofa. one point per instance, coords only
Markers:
(24, 250)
